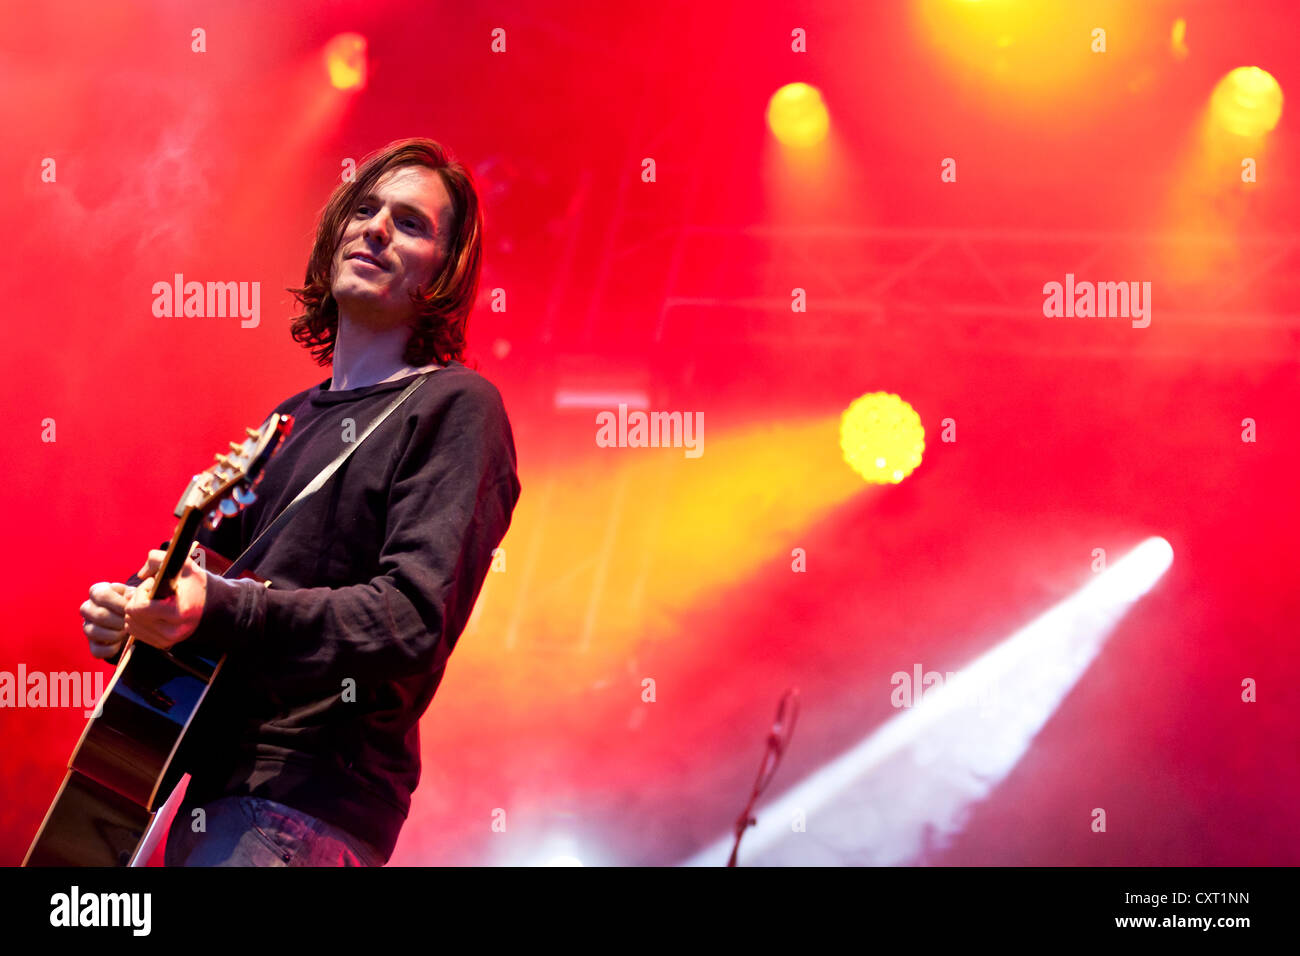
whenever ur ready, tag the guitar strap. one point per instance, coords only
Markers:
(258, 548)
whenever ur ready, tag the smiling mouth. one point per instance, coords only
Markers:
(359, 257)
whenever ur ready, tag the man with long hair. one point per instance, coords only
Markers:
(307, 750)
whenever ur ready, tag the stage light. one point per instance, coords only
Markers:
(797, 116)
(910, 786)
(882, 438)
(1033, 55)
(1247, 102)
(1178, 39)
(345, 59)
(559, 850)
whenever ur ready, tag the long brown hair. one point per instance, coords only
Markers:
(443, 306)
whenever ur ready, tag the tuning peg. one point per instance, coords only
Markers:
(213, 519)
(244, 495)
(228, 507)
(252, 432)
(235, 447)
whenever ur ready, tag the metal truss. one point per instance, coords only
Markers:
(981, 287)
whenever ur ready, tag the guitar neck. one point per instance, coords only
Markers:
(178, 550)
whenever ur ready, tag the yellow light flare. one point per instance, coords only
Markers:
(882, 438)
(626, 548)
(1229, 156)
(1031, 53)
(1178, 39)
(797, 115)
(1247, 102)
(345, 60)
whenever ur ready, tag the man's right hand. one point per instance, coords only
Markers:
(105, 620)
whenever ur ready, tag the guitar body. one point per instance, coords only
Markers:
(124, 767)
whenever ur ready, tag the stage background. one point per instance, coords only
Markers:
(628, 564)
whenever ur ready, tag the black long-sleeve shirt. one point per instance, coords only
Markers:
(373, 580)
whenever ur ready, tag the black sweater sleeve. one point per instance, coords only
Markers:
(449, 503)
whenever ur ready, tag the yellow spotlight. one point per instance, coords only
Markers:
(882, 438)
(345, 59)
(1247, 102)
(1178, 39)
(797, 116)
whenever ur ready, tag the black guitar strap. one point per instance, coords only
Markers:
(258, 548)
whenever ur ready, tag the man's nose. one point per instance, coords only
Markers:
(376, 229)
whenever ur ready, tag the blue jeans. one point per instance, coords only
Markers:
(253, 831)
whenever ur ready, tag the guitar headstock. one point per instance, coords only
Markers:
(226, 487)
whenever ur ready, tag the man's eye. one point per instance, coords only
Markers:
(415, 223)
(361, 209)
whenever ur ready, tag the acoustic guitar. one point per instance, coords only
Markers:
(123, 768)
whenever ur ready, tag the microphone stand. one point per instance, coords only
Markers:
(777, 741)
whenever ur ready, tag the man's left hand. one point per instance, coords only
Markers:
(164, 624)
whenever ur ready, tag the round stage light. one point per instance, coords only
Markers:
(345, 59)
(882, 438)
(1247, 102)
(797, 116)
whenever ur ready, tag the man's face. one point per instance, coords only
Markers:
(403, 225)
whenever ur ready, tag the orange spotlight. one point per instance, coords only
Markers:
(797, 116)
(1247, 102)
(345, 59)
(882, 438)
